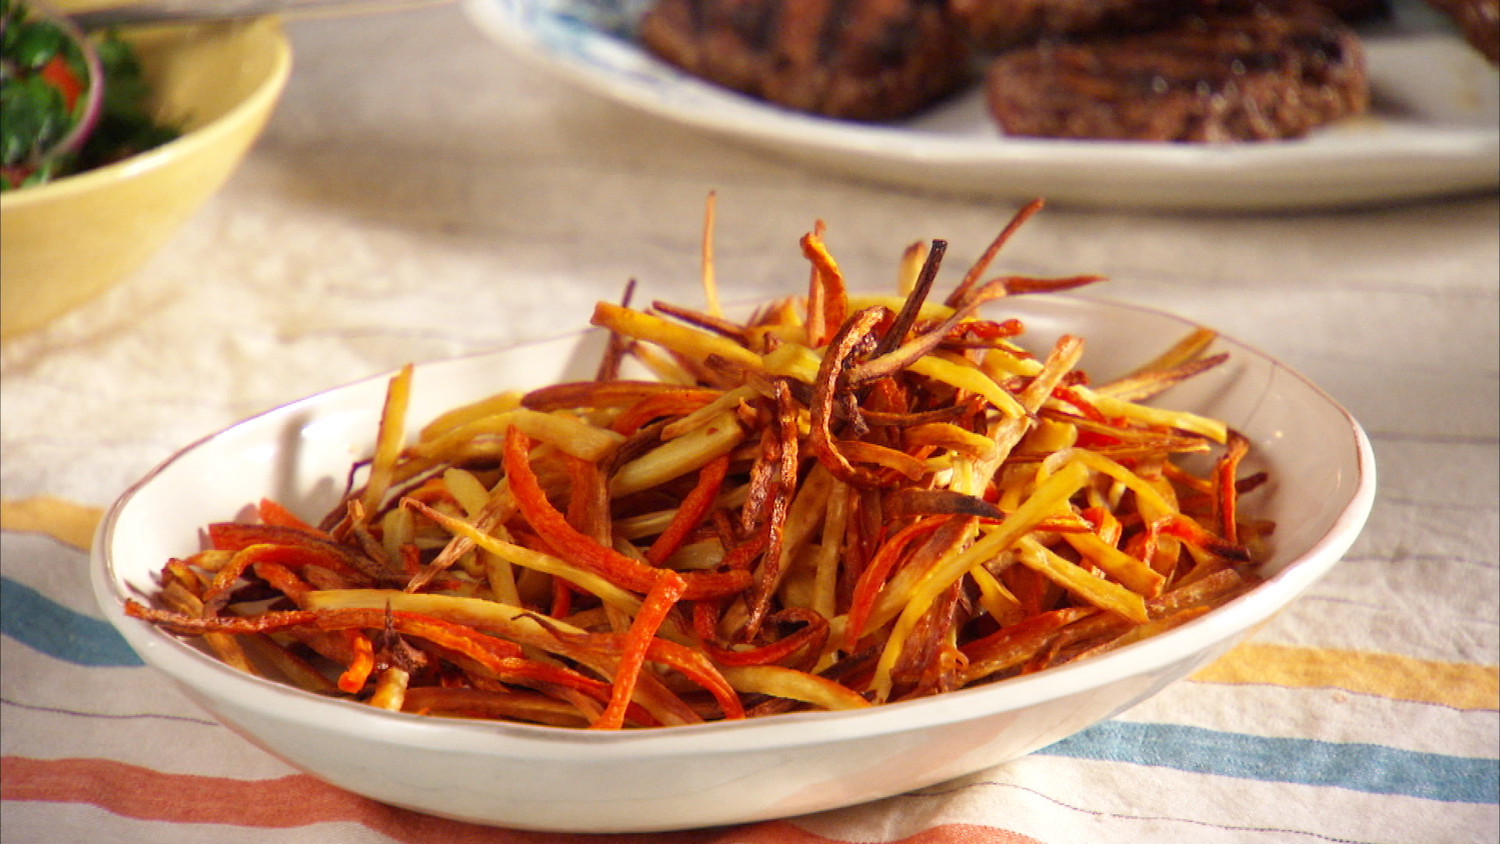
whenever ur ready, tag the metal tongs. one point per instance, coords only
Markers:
(187, 11)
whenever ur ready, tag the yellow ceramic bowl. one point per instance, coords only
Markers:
(67, 241)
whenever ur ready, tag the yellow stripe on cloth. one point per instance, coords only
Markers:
(1456, 684)
(65, 521)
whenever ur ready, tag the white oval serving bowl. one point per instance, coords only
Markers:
(1321, 489)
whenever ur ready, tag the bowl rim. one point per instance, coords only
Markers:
(188, 667)
(260, 99)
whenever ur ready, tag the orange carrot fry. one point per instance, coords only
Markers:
(584, 551)
(677, 402)
(692, 510)
(1224, 480)
(660, 599)
(273, 513)
(354, 677)
(874, 575)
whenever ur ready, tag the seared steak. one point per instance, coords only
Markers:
(855, 59)
(1220, 76)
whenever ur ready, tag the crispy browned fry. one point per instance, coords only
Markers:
(1152, 382)
(615, 346)
(1015, 644)
(827, 302)
(708, 322)
(780, 453)
(837, 502)
(1183, 360)
(1016, 285)
(907, 316)
(596, 394)
(901, 357)
(844, 346)
(929, 663)
(1226, 499)
(488, 703)
(961, 292)
(915, 502)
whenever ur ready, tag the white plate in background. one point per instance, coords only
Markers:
(1434, 129)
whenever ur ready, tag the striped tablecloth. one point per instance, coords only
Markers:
(370, 228)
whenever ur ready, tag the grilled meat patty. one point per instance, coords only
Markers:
(853, 59)
(996, 25)
(1357, 10)
(1222, 76)
(1001, 24)
(1479, 20)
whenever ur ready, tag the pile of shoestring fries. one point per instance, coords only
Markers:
(840, 502)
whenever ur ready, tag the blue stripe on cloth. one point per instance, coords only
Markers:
(33, 619)
(1360, 767)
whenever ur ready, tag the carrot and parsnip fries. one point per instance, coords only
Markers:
(839, 502)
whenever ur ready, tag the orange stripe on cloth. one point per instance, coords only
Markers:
(300, 800)
(1456, 684)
